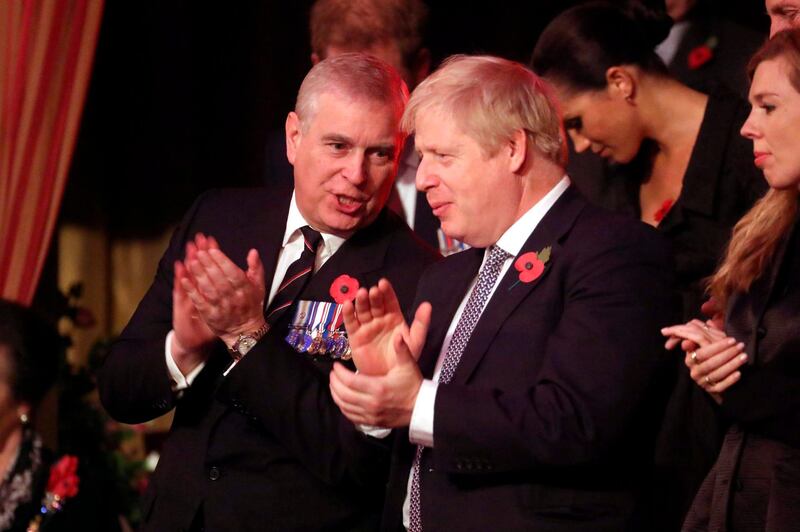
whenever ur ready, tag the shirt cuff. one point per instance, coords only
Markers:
(420, 430)
(179, 381)
(373, 431)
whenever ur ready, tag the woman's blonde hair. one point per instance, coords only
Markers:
(757, 235)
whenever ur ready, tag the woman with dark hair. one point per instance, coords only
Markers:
(752, 367)
(29, 350)
(677, 162)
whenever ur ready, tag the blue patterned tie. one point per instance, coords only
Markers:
(466, 324)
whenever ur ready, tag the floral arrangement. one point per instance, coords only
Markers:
(62, 485)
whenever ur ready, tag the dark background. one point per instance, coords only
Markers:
(184, 94)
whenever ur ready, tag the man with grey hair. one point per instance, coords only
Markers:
(241, 326)
(527, 391)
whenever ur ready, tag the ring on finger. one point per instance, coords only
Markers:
(709, 381)
(693, 356)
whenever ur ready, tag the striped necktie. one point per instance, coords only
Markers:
(296, 277)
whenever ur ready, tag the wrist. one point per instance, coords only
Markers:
(243, 342)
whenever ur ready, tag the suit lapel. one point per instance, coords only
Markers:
(510, 292)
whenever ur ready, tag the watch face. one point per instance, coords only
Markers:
(246, 343)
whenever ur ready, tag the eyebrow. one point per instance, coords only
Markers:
(336, 137)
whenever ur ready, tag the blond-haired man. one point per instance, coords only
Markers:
(526, 392)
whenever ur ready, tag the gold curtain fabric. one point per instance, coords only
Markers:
(46, 53)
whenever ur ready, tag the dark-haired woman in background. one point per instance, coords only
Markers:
(28, 366)
(676, 161)
(752, 369)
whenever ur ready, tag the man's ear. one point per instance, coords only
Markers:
(517, 148)
(621, 83)
(294, 136)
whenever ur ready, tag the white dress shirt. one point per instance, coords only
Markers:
(292, 248)
(420, 430)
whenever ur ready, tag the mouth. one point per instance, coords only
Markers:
(438, 207)
(759, 158)
(349, 204)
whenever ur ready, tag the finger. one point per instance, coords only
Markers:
(708, 357)
(202, 281)
(229, 271)
(347, 410)
(390, 301)
(201, 242)
(688, 345)
(376, 306)
(687, 332)
(214, 272)
(200, 303)
(726, 383)
(362, 306)
(362, 386)
(351, 323)
(418, 331)
(728, 368)
(713, 366)
(671, 342)
(212, 242)
(178, 293)
(191, 251)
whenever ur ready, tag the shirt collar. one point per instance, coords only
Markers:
(295, 221)
(515, 236)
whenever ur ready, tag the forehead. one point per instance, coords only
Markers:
(334, 108)
(770, 76)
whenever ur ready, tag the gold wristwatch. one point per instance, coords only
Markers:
(247, 341)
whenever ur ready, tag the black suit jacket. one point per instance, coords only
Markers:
(755, 482)
(549, 421)
(264, 448)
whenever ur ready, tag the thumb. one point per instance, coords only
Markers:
(255, 269)
(418, 331)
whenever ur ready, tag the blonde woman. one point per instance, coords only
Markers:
(752, 368)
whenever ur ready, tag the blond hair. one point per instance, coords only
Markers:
(490, 98)
(355, 76)
(362, 24)
(757, 235)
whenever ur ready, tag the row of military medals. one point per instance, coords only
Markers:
(315, 330)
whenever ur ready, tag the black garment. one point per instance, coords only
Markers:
(731, 47)
(23, 489)
(265, 448)
(720, 185)
(755, 483)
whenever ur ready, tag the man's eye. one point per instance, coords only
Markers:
(574, 123)
(337, 146)
(381, 155)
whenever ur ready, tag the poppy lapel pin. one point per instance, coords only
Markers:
(531, 265)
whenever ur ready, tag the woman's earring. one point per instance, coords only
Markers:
(23, 418)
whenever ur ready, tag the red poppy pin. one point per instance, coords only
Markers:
(663, 210)
(702, 54)
(344, 288)
(530, 265)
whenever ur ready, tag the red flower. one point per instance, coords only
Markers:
(530, 265)
(64, 481)
(344, 288)
(662, 212)
(700, 56)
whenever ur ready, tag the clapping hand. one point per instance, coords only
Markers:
(385, 351)
(228, 299)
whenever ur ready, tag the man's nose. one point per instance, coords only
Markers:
(355, 171)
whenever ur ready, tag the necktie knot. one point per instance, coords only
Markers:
(311, 237)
